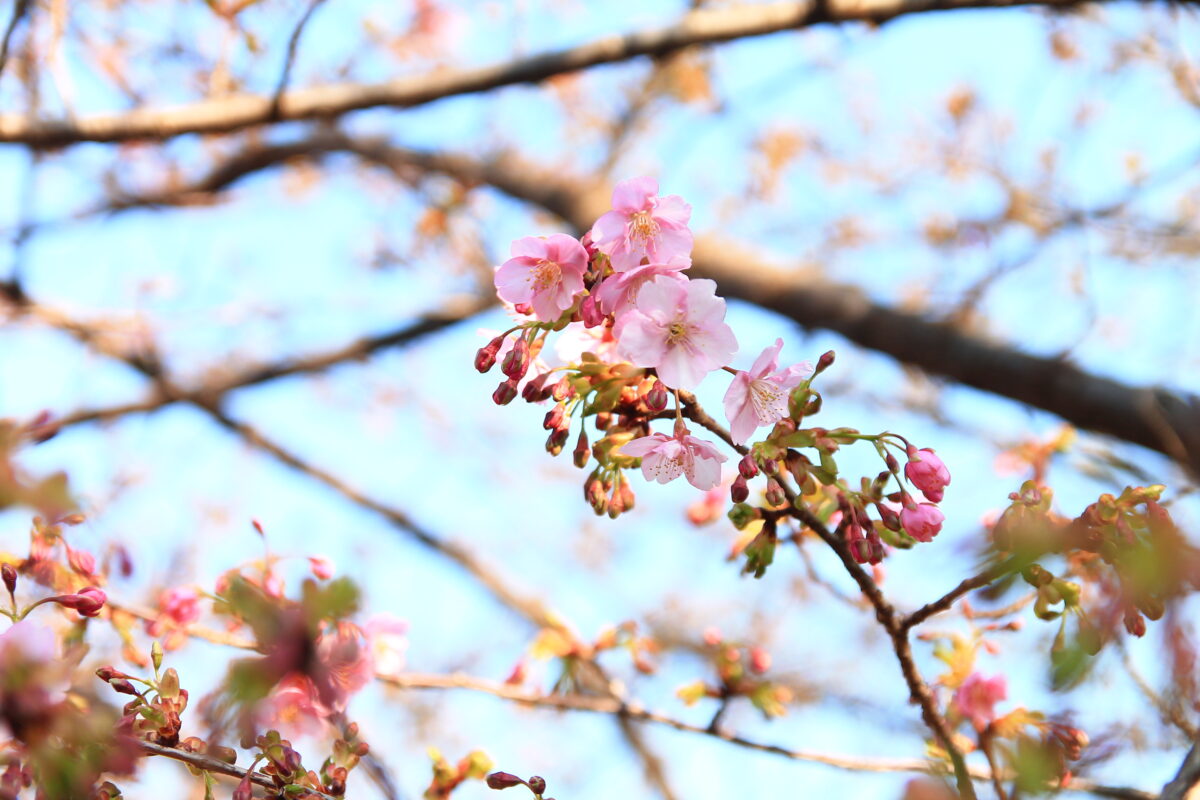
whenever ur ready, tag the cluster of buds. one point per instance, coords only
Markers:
(153, 715)
(739, 670)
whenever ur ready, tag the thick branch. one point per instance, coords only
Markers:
(705, 26)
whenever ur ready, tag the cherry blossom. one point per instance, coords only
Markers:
(679, 329)
(388, 642)
(760, 396)
(927, 472)
(976, 698)
(576, 339)
(665, 458)
(545, 272)
(181, 605)
(617, 293)
(346, 665)
(321, 567)
(643, 225)
(294, 706)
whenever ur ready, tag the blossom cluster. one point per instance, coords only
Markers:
(634, 330)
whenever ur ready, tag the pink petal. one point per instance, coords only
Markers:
(640, 339)
(640, 447)
(767, 360)
(705, 473)
(672, 210)
(634, 194)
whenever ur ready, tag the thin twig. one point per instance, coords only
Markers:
(289, 60)
(210, 764)
(20, 9)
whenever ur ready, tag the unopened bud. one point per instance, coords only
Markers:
(503, 780)
(535, 390)
(603, 420)
(775, 494)
(122, 686)
(505, 393)
(627, 496)
(769, 465)
(582, 453)
(538, 784)
(813, 406)
(760, 660)
(824, 362)
(589, 312)
(892, 463)
(516, 360)
(485, 359)
(244, 790)
(739, 491)
(554, 418)
(1135, 623)
(657, 398)
(890, 519)
(556, 441)
(82, 562)
(156, 654)
(9, 573)
(747, 467)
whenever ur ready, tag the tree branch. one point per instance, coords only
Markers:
(701, 27)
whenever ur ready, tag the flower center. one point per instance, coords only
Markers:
(642, 226)
(676, 332)
(545, 275)
(769, 401)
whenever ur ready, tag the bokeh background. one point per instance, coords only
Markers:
(1027, 175)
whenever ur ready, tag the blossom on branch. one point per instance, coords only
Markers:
(927, 472)
(923, 521)
(760, 396)
(665, 458)
(976, 698)
(618, 292)
(546, 272)
(643, 225)
(679, 329)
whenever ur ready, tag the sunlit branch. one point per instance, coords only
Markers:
(210, 764)
(700, 27)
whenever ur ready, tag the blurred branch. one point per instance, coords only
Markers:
(21, 8)
(290, 59)
(1188, 776)
(703, 26)
(944, 602)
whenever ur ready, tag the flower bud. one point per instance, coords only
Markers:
(589, 312)
(9, 572)
(516, 360)
(760, 660)
(554, 418)
(82, 562)
(739, 491)
(122, 686)
(557, 440)
(503, 780)
(485, 359)
(657, 398)
(775, 495)
(505, 393)
(769, 466)
(824, 362)
(87, 602)
(535, 391)
(627, 496)
(244, 790)
(537, 784)
(593, 492)
(747, 467)
(603, 420)
(582, 452)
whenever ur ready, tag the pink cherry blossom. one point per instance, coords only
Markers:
(321, 567)
(545, 272)
(643, 225)
(665, 458)
(760, 396)
(345, 663)
(678, 328)
(388, 642)
(181, 605)
(922, 522)
(576, 339)
(976, 698)
(927, 472)
(293, 706)
(617, 293)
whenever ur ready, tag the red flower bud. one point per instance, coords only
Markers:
(775, 495)
(739, 491)
(582, 453)
(244, 790)
(503, 780)
(505, 393)
(824, 362)
(760, 660)
(554, 418)
(747, 467)
(563, 390)
(516, 361)
(557, 440)
(87, 602)
(82, 562)
(9, 573)
(535, 391)
(589, 312)
(485, 359)
(538, 784)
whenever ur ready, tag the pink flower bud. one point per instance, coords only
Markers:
(824, 362)
(922, 522)
(657, 398)
(557, 440)
(321, 567)
(524, 309)
(927, 472)
(775, 495)
(505, 393)
(87, 602)
(82, 562)
(760, 660)
(516, 361)
(485, 359)
(244, 790)
(590, 313)
(563, 390)
(535, 390)
(747, 467)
